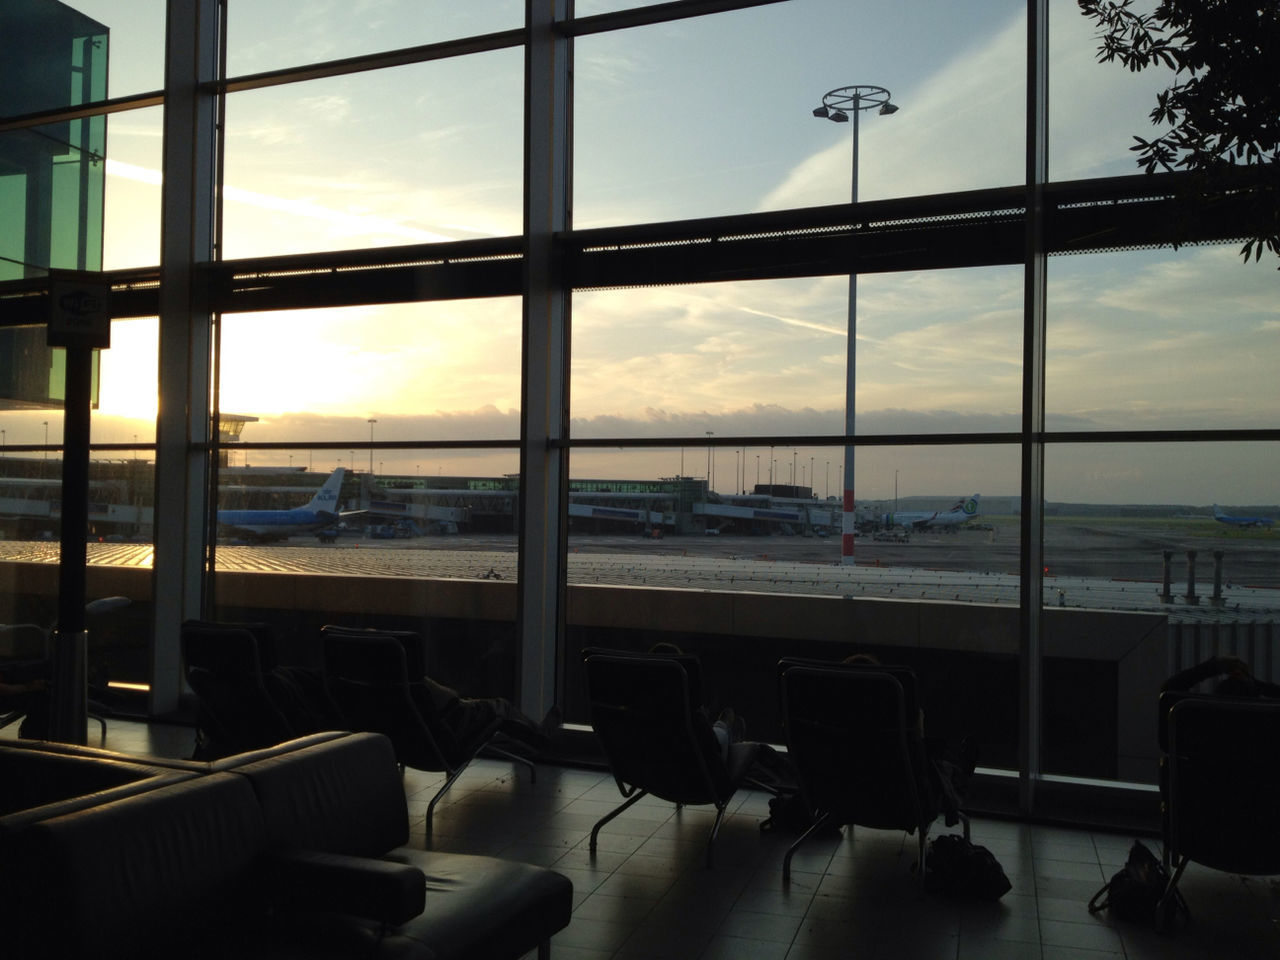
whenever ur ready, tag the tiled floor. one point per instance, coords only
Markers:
(648, 893)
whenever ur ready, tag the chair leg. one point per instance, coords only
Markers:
(715, 829)
(964, 825)
(818, 824)
(431, 807)
(595, 831)
(102, 739)
(1166, 905)
(924, 850)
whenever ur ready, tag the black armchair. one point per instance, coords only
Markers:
(223, 665)
(367, 673)
(645, 710)
(853, 734)
(1220, 787)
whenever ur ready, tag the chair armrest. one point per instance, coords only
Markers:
(315, 882)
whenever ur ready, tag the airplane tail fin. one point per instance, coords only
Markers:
(970, 507)
(326, 498)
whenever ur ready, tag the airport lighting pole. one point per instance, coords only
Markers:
(372, 421)
(46, 440)
(709, 433)
(839, 106)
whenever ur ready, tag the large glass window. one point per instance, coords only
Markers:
(415, 154)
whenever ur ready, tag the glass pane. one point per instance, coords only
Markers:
(136, 35)
(938, 352)
(1097, 108)
(272, 34)
(413, 154)
(51, 197)
(54, 57)
(703, 117)
(437, 371)
(1158, 556)
(1161, 339)
(132, 216)
(127, 396)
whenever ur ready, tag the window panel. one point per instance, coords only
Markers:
(435, 371)
(272, 34)
(1161, 339)
(713, 115)
(938, 352)
(414, 154)
(1097, 108)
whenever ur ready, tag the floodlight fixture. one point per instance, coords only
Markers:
(839, 116)
(888, 109)
(820, 112)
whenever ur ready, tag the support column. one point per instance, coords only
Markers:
(1031, 646)
(186, 239)
(544, 408)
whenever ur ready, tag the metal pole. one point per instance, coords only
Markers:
(68, 709)
(371, 423)
(849, 518)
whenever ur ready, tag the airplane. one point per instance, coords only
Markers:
(1241, 521)
(962, 512)
(321, 511)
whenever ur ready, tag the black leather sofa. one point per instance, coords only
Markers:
(295, 851)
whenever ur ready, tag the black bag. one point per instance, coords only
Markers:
(1135, 890)
(959, 868)
(788, 813)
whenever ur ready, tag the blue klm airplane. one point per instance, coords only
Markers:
(265, 525)
(1241, 521)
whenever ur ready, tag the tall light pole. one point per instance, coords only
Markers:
(709, 433)
(372, 421)
(840, 105)
(46, 440)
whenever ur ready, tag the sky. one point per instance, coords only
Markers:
(702, 117)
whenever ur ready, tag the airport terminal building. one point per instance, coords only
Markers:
(478, 258)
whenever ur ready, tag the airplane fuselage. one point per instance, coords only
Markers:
(272, 524)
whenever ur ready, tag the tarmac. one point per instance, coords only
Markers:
(1102, 566)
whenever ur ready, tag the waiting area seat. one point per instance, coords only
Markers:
(853, 735)
(1220, 787)
(645, 710)
(373, 676)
